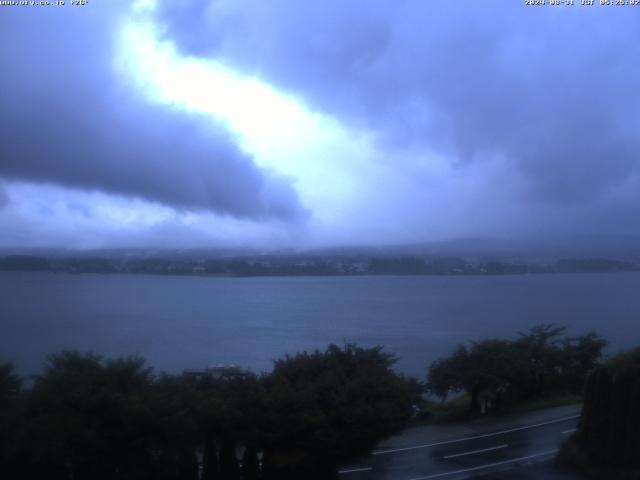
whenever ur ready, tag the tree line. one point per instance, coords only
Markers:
(307, 265)
(88, 417)
(495, 373)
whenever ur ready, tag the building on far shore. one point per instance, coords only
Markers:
(218, 371)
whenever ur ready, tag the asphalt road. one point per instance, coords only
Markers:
(516, 451)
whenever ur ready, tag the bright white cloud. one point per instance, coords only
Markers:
(326, 160)
(355, 192)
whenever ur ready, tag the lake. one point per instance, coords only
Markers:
(190, 322)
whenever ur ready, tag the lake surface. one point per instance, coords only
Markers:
(190, 322)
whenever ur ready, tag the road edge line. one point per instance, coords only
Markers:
(474, 437)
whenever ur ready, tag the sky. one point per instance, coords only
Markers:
(205, 123)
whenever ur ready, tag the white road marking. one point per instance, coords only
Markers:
(475, 451)
(488, 465)
(569, 431)
(485, 435)
(354, 470)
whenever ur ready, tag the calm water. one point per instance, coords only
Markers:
(189, 322)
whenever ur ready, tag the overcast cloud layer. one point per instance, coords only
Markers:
(479, 118)
(550, 89)
(67, 119)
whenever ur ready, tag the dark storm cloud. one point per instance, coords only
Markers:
(66, 118)
(551, 90)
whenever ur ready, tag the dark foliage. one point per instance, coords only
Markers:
(327, 406)
(90, 419)
(13, 439)
(609, 430)
(86, 417)
(496, 373)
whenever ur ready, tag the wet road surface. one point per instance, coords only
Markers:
(512, 451)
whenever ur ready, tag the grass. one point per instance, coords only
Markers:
(541, 403)
(459, 409)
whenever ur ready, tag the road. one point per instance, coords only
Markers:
(518, 447)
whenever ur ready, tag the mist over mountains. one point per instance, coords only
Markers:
(461, 257)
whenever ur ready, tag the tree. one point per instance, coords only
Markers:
(496, 372)
(250, 465)
(229, 467)
(210, 458)
(12, 432)
(10, 385)
(175, 430)
(89, 418)
(447, 374)
(540, 346)
(580, 356)
(609, 429)
(327, 406)
(487, 371)
(230, 412)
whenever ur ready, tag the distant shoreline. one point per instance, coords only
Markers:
(292, 266)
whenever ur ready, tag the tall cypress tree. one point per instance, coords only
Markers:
(610, 425)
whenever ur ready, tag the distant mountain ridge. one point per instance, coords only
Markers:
(620, 247)
(311, 264)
